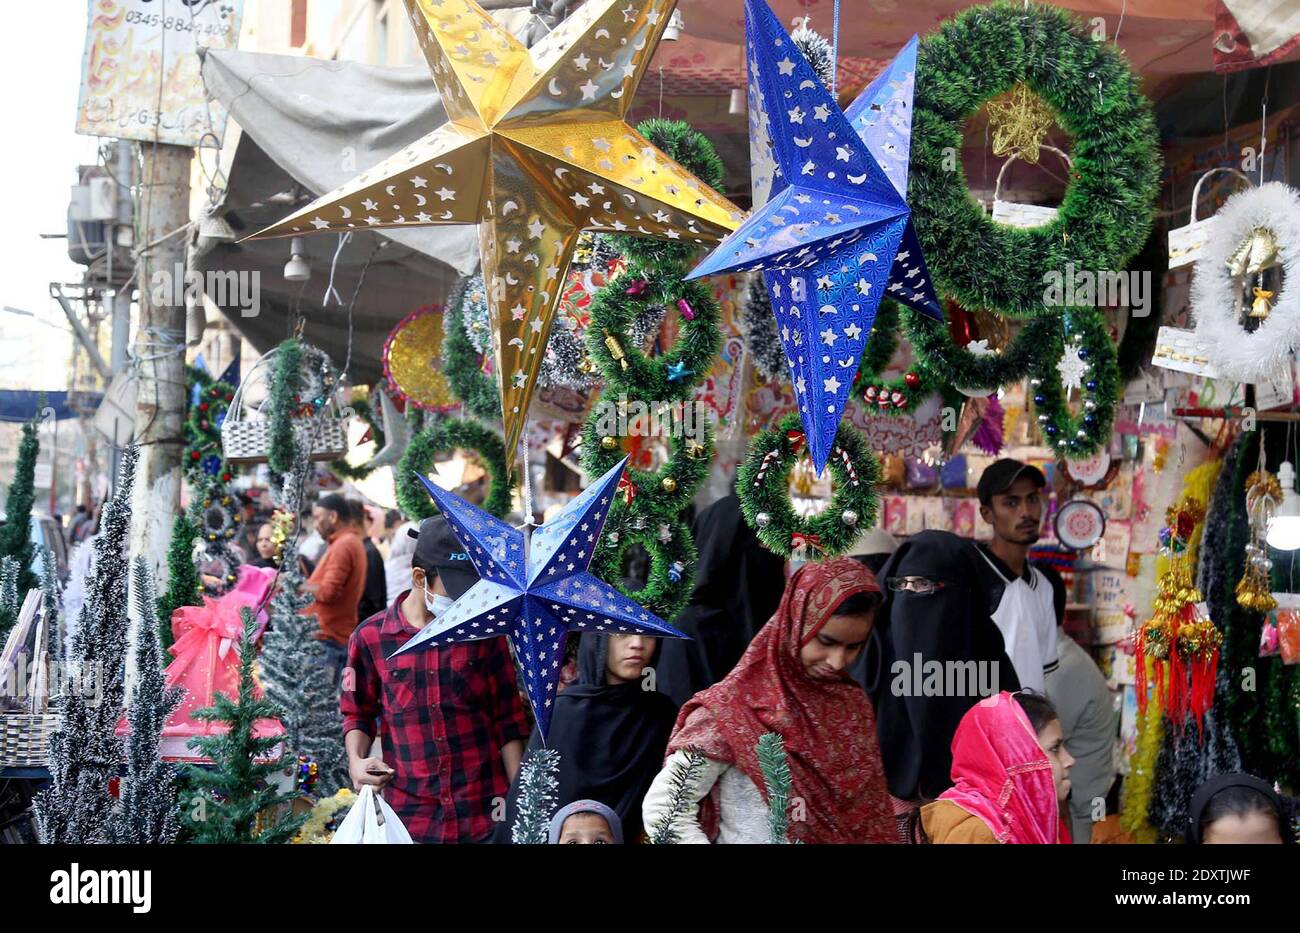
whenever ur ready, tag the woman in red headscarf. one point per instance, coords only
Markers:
(792, 681)
(1010, 772)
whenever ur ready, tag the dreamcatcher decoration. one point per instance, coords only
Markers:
(410, 353)
(1263, 496)
(1179, 639)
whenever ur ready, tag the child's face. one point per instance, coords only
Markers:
(1251, 829)
(586, 829)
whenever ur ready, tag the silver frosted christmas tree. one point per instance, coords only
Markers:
(293, 669)
(85, 752)
(146, 812)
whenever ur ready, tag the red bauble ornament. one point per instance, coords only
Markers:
(203, 425)
(203, 406)
(226, 477)
(194, 455)
(912, 380)
(230, 398)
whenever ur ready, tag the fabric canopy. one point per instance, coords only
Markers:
(26, 404)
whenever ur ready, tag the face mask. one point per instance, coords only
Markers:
(436, 604)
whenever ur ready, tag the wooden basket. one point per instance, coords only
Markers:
(248, 440)
(25, 738)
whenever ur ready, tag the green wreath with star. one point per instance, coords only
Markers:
(762, 484)
(461, 363)
(1109, 203)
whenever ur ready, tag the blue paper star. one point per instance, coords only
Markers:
(677, 371)
(831, 230)
(534, 588)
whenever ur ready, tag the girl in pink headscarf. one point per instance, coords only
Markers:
(1010, 772)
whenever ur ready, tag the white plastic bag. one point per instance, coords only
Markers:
(371, 821)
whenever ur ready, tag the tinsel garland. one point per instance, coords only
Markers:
(318, 827)
(362, 409)
(1109, 204)
(649, 505)
(1140, 783)
(216, 515)
(9, 603)
(209, 401)
(940, 357)
(901, 395)
(286, 384)
(184, 587)
(1082, 332)
(461, 363)
(762, 484)
(445, 437)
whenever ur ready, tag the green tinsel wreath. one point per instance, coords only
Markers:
(341, 468)
(446, 436)
(672, 561)
(1082, 434)
(286, 384)
(460, 360)
(1108, 206)
(762, 484)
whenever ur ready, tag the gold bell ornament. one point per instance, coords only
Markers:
(1262, 304)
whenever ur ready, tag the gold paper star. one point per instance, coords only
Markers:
(1020, 120)
(536, 148)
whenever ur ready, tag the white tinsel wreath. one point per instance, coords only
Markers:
(1234, 353)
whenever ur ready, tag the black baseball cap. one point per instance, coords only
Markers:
(1001, 474)
(437, 548)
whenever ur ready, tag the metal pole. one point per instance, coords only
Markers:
(160, 351)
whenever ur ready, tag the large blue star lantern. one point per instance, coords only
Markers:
(831, 229)
(535, 588)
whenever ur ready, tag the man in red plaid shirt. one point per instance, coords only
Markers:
(452, 720)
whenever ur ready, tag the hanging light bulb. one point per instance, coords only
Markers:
(673, 31)
(296, 269)
(1284, 526)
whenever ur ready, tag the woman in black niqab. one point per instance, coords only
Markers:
(953, 623)
(611, 738)
(738, 586)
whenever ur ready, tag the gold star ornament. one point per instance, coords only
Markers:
(1020, 120)
(536, 149)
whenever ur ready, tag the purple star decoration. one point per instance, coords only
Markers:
(535, 588)
(831, 230)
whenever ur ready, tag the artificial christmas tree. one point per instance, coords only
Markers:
(293, 665)
(52, 606)
(15, 533)
(9, 603)
(234, 801)
(146, 813)
(84, 753)
(538, 780)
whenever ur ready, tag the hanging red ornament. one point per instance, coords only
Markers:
(637, 287)
(912, 380)
(203, 406)
(961, 324)
(685, 307)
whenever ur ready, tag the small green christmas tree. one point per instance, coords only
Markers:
(537, 785)
(15, 533)
(776, 775)
(183, 585)
(9, 604)
(234, 801)
(680, 784)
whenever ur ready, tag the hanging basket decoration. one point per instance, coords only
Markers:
(763, 488)
(301, 411)
(410, 352)
(1095, 97)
